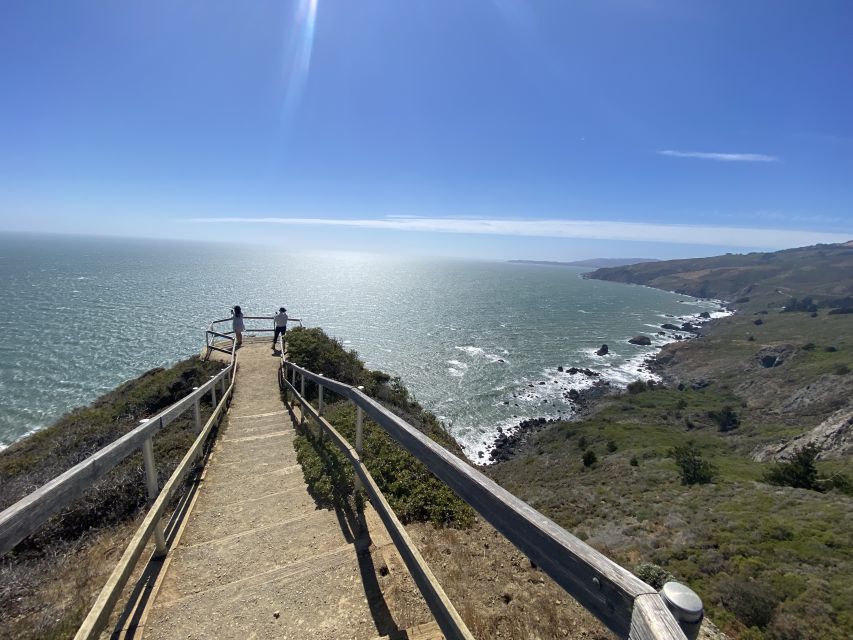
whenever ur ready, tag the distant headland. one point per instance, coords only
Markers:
(592, 263)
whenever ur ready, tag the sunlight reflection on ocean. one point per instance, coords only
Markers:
(84, 315)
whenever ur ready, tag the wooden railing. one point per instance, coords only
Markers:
(625, 604)
(216, 330)
(28, 514)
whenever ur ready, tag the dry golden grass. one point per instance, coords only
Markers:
(496, 590)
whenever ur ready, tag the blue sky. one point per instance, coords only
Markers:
(486, 128)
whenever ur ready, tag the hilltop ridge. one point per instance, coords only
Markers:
(778, 276)
(591, 262)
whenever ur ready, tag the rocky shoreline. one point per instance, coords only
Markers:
(510, 443)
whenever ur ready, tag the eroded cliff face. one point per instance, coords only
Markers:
(833, 436)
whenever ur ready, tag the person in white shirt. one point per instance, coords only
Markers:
(280, 325)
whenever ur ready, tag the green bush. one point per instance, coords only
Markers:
(726, 418)
(694, 469)
(751, 601)
(413, 492)
(312, 349)
(634, 462)
(638, 386)
(589, 458)
(653, 575)
(611, 446)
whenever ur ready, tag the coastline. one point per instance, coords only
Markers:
(512, 441)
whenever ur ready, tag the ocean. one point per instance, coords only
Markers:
(476, 342)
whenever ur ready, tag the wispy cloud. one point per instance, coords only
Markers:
(721, 157)
(583, 229)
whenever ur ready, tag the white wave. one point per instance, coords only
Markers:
(480, 352)
(456, 369)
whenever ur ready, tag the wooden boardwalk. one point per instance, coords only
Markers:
(257, 559)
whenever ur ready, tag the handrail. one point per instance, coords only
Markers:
(625, 604)
(99, 614)
(25, 517)
(445, 614)
(250, 330)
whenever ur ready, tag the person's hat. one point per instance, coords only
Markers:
(282, 309)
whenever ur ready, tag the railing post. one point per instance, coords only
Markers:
(359, 425)
(303, 401)
(213, 393)
(222, 380)
(320, 399)
(153, 491)
(197, 413)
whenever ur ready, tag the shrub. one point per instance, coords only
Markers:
(634, 462)
(726, 418)
(841, 369)
(314, 350)
(694, 469)
(653, 575)
(753, 602)
(589, 458)
(638, 386)
(413, 492)
(611, 446)
(798, 471)
(582, 443)
(806, 304)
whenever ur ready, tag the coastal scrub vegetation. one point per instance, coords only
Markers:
(66, 555)
(767, 543)
(411, 490)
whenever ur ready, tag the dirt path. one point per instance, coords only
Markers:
(257, 559)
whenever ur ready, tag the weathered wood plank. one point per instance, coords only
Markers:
(99, 614)
(652, 620)
(28, 514)
(439, 604)
(603, 587)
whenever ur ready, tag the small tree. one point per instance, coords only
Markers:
(798, 471)
(694, 469)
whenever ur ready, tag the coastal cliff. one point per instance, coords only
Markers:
(822, 272)
(732, 473)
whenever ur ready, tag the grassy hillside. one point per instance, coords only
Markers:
(48, 582)
(822, 272)
(769, 560)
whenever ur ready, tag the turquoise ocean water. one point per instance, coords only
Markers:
(83, 315)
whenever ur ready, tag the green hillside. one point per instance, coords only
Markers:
(697, 474)
(824, 272)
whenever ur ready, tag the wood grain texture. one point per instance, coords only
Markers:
(652, 620)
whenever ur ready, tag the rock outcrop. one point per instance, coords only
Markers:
(833, 436)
